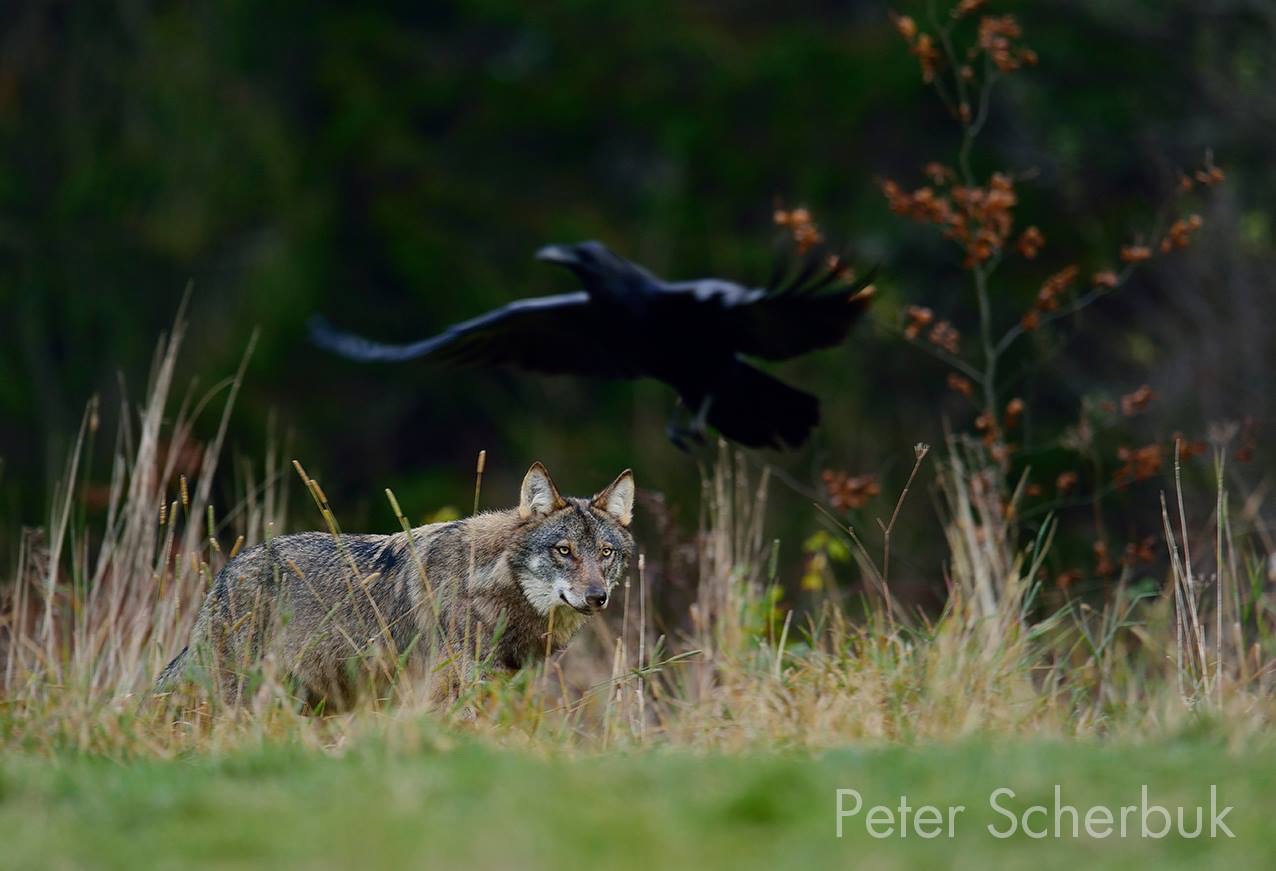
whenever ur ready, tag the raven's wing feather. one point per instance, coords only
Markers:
(561, 334)
(778, 326)
(788, 319)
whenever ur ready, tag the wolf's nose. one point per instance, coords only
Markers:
(596, 598)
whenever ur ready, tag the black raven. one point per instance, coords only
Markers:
(692, 335)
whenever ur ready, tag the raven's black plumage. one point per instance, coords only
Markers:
(627, 323)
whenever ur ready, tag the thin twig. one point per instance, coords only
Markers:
(920, 450)
(951, 359)
(1081, 302)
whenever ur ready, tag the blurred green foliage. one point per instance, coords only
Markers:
(394, 165)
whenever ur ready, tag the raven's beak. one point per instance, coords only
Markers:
(561, 254)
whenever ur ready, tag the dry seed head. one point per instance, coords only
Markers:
(965, 7)
(1054, 287)
(1106, 278)
(1210, 176)
(1014, 410)
(919, 317)
(961, 384)
(843, 270)
(1138, 464)
(927, 56)
(1135, 253)
(945, 335)
(938, 173)
(846, 492)
(1137, 401)
(997, 38)
(1103, 565)
(1030, 242)
(1180, 233)
(1143, 552)
(905, 26)
(801, 227)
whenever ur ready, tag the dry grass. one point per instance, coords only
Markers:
(92, 613)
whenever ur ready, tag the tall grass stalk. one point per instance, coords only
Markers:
(101, 599)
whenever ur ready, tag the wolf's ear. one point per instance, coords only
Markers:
(538, 494)
(618, 499)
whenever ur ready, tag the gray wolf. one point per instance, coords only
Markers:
(341, 615)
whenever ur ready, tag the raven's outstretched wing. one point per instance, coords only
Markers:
(556, 335)
(815, 309)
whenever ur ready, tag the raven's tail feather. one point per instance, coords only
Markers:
(754, 409)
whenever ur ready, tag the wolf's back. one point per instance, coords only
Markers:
(313, 599)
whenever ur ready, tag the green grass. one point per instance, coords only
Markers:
(708, 755)
(472, 805)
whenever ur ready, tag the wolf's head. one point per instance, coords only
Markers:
(572, 551)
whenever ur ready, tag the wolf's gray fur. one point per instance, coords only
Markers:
(340, 614)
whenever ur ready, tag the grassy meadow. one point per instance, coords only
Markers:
(720, 743)
(426, 799)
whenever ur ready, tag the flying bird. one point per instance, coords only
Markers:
(694, 336)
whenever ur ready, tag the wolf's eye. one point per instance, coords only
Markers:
(564, 550)
(605, 553)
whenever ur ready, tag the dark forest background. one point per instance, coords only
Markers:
(395, 165)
